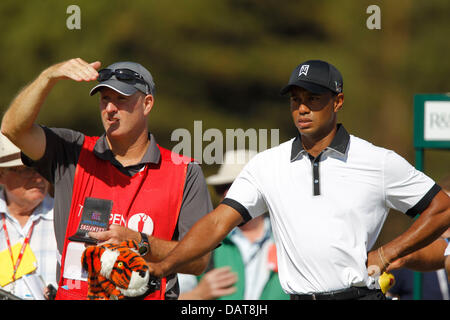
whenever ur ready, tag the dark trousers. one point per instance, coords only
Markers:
(352, 293)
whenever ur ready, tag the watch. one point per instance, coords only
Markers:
(144, 245)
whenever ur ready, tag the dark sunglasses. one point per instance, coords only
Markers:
(125, 75)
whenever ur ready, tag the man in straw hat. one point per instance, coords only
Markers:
(26, 213)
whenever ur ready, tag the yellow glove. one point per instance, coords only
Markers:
(386, 281)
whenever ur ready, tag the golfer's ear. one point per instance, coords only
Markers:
(338, 102)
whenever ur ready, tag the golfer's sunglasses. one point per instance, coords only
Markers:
(125, 75)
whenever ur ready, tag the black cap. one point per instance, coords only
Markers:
(316, 76)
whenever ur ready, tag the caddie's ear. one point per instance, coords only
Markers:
(91, 259)
(149, 101)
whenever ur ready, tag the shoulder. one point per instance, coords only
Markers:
(274, 155)
(360, 145)
(68, 135)
(62, 150)
(388, 161)
(194, 174)
(62, 141)
(364, 151)
(175, 158)
(266, 163)
(281, 149)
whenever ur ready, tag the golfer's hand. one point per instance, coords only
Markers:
(375, 266)
(398, 264)
(156, 269)
(74, 69)
(115, 235)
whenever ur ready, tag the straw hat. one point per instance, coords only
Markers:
(9, 153)
(234, 162)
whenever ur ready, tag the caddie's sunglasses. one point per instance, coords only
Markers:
(125, 75)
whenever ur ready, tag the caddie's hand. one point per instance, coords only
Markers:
(75, 69)
(115, 235)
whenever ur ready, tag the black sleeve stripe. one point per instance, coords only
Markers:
(424, 202)
(239, 208)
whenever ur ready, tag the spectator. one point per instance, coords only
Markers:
(26, 212)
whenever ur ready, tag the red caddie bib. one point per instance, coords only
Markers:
(148, 202)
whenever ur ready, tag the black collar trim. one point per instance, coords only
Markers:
(152, 155)
(339, 143)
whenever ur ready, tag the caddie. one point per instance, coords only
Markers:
(155, 199)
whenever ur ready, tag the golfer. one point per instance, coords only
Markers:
(328, 194)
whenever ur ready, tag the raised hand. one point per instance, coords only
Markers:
(75, 69)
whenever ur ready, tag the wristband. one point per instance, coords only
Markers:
(144, 245)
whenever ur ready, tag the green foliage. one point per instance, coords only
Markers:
(224, 61)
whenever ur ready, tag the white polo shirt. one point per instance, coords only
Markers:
(327, 213)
